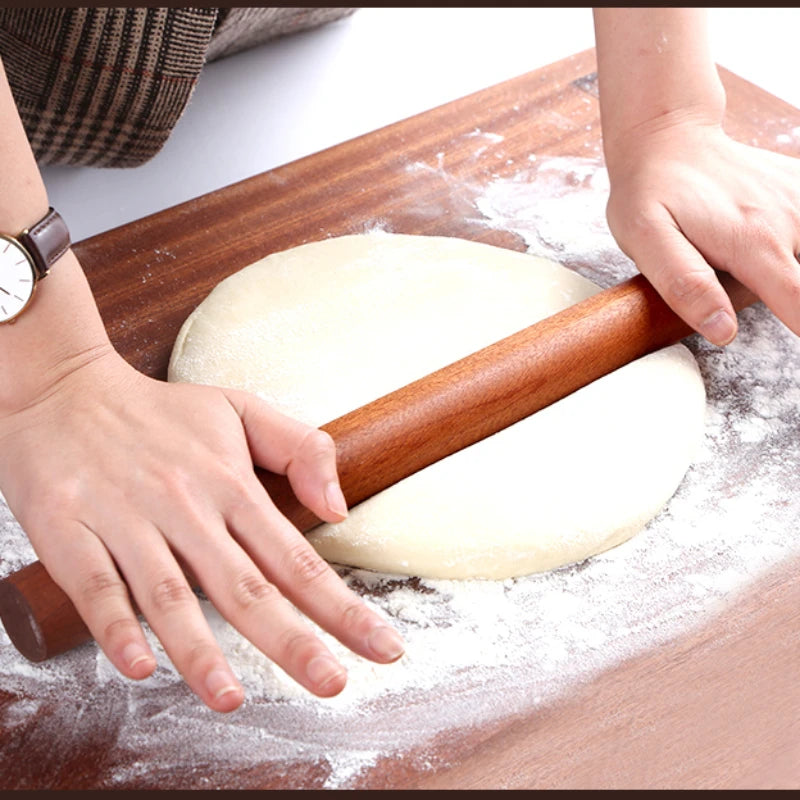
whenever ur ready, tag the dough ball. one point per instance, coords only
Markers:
(326, 327)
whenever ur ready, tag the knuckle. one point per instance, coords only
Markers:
(174, 485)
(66, 494)
(99, 586)
(63, 500)
(119, 629)
(304, 565)
(756, 218)
(250, 589)
(756, 235)
(693, 288)
(244, 509)
(199, 656)
(356, 617)
(296, 645)
(232, 473)
(317, 445)
(169, 593)
(234, 485)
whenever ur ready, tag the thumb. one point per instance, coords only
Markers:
(306, 455)
(683, 278)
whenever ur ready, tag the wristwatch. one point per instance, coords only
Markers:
(26, 258)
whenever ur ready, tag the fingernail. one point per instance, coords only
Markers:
(335, 499)
(322, 671)
(386, 643)
(134, 654)
(220, 682)
(719, 328)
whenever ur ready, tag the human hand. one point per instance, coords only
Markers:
(125, 484)
(685, 198)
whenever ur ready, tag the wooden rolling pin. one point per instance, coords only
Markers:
(398, 434)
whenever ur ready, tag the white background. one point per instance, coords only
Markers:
(286, 99)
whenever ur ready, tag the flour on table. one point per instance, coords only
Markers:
(324, 328)
(477, 651)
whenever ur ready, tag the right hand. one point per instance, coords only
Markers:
(125, 484)
(687, 199)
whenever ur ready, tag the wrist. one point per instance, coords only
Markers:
(671, 132)
(58, 333)
(656, 72)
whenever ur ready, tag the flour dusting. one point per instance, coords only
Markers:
(477, 651)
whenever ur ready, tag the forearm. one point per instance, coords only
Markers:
(23, 199)
(62, 326)
(655, 68)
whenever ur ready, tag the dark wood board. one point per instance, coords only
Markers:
(716, 708)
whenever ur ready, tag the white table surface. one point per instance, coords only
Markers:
(283, 100)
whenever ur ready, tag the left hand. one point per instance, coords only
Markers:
(686, 198)
(126, 486)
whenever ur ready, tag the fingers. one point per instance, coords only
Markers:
(306, 455)
(163, 595)
(259, 611)
(311, 584)
(102, 600)
(233, 584)
(239, 591)
(172, 610)
(683, 278)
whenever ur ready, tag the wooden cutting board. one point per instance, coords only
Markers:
(715, 708)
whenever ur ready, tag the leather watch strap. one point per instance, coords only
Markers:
(46, 241)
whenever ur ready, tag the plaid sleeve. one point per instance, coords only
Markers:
(102, 86)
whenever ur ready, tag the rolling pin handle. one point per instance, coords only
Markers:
(38, 616)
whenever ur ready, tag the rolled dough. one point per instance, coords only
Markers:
(323, 328)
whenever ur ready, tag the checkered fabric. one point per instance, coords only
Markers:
(105, 87)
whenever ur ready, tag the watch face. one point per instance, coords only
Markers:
(16, 279)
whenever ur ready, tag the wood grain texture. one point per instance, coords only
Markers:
(716, 708)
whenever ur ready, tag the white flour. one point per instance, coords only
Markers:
(476, 651)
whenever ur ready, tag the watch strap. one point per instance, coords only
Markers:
(46, 241)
